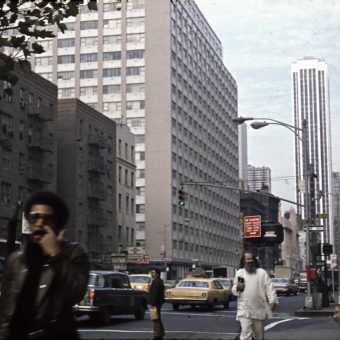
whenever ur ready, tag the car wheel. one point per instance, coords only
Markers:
(212, 305)
(140, 313)
(175, 306)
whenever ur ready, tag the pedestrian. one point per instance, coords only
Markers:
(256, 297)
(45, 278)
(156, 295)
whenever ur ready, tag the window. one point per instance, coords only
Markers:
(135, 54)
(116, 55)
(120, 174)
(88, 90)
(135, 38)
(66, 59)
(135, 105)
(135, 5)
(112, 39)
(112, 6)
(111, 72)
(67, 75)
(127, 201)
(126, 178)
(6, 162)
(88, 74)
(107, 89)
(44, 61)
(135, 122)
(46, 75)
(46, 44)
(66, 92)
(132, 179)
(140, 139)
(89, 25)
(88, 57)
(135, 22)
(6, 190)
(135, 71)
(89, 41)
(70, 26)
(112, 23)
(119, 202)
(66, 43)
(112, 106)
(130, 88)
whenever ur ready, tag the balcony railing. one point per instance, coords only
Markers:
(97, 140)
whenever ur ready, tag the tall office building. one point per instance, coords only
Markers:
(336, 207)
(259, 178)
(310, 103)
(157, 66)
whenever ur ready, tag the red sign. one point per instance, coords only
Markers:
(252, 226)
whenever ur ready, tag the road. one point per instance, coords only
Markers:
(200, 323)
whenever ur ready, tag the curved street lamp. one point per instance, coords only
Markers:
(305, 159)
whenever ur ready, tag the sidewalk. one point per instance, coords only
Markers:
(312, 312)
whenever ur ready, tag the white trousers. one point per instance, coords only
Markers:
(251, 329)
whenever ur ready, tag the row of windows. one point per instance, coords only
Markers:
(108, 23)
(107, 73)
(107, 89)
(129, 204)
(91, 57)
(134, 38)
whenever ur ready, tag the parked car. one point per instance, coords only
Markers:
(284, 285)
(198, 292)
(110, 293)
(227, 284)
(140, 281)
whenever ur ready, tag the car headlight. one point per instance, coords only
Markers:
(167, 293)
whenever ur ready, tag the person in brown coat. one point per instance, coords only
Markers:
(156, 295)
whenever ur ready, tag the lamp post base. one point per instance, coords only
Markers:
(308, 302)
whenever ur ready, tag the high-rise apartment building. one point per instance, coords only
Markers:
(310, 103)
(157, 66)
(28, 143)
(259, 178)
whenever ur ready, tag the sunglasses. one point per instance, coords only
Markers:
(48, 219)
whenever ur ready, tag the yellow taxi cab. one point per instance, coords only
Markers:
(194, 291)
(140, 281)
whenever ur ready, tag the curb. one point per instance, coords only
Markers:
(314, 312)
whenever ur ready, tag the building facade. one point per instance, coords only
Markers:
(95, 181)
(336, 207)
(158, 68)
(28, 143)
(243, 155)
(259, 177)
(310, 102)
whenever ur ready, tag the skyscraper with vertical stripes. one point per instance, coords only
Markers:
(310, 101)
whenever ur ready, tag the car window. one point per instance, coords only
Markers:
(216, 285)
(96, 280)
(194, 284)
(140, 279)
(115, 281)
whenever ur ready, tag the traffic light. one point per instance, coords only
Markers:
(181, 198)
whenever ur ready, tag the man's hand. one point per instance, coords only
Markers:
(272, 305)
(240, 286)
(50, 242)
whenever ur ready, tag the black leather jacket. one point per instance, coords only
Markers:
(62, 284)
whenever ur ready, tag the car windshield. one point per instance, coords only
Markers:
(224, 283)
(194, 284)
(96, 280)
(140, 279)
(279, 280)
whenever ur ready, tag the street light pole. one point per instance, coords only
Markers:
(306, 174)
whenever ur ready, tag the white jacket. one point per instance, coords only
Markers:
(258, 292)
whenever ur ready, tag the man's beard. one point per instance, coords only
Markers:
(250, 267)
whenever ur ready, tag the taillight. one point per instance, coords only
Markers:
(91, 293)
(146, 286)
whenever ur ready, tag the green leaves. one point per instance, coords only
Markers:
(31, 19)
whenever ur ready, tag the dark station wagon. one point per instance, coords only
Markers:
(110, 293)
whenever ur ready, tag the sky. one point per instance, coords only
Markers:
(261, 39)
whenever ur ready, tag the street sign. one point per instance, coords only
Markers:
(321, 215)
(316, 228)
(252, 226)
(334, 259)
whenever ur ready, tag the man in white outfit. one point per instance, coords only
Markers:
(256, 297)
